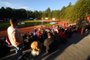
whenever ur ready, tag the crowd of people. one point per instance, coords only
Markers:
(49, 38)
(42, 39)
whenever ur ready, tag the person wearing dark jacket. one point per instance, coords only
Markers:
(48, 42)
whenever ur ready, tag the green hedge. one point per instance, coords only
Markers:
(4, 25)
(30, 24)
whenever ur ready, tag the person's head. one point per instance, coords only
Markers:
(13, 21)
(49, 35)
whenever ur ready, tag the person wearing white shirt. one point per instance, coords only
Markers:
(15, 37)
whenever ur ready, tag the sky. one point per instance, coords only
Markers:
(39, 5)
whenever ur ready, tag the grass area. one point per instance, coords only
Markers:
(48, 24)
(32, 21)
(4, 25)
(26, 23)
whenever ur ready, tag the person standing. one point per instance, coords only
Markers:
(15, 37)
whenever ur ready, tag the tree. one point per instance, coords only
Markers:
(56, 14)
(30, 14)
(9, 12)
(36, 15)
(2, 13)
(82, 7)
(48, 13)
(19, 13)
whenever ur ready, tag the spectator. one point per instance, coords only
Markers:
(48, 42)
(15, 37)
(35, 48)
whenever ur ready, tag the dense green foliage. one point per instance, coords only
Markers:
(7, 13)
(70, 13)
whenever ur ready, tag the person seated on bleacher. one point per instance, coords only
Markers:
(48, 42)
(35, 50)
